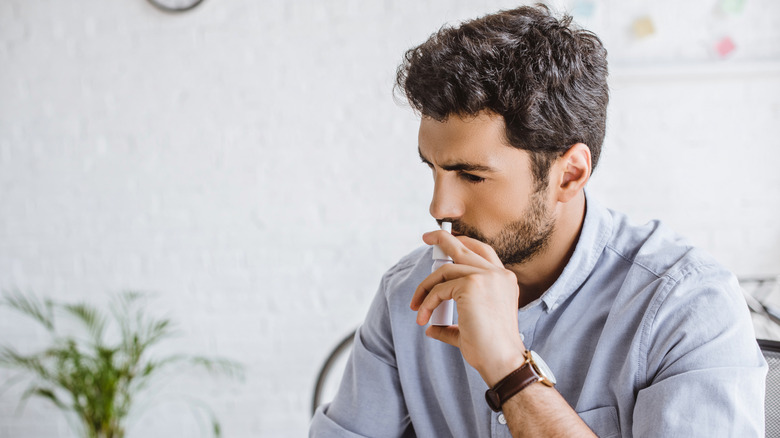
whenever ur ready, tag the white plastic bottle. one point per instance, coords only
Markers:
(443, 314)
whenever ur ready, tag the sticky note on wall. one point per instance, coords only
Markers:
(643, 27)
(732, 7)
(583, 9)
(725, 46)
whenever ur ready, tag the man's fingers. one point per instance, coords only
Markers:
(454, 248)
(482, 249)
(444, 274)
(439, 293)
(449, 334)
(468, 255)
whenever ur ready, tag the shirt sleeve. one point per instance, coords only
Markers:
(369, 401)
(706, 373)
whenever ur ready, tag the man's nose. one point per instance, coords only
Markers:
(446, 203)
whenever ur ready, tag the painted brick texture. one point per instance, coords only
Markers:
(247, 162)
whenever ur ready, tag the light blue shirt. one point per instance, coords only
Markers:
(646, 335)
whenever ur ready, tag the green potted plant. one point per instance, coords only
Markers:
(97, 372)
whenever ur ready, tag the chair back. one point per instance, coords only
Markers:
(771, 350)
(331, 372)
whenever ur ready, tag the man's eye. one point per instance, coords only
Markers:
(471, 178)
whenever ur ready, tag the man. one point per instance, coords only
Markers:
(645, 335)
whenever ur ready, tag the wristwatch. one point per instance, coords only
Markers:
(531, 371)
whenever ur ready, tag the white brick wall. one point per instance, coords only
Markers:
(247, 162)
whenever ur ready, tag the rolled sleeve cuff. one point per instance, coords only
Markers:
(323, 426)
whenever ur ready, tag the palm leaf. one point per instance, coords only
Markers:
(92, 318)
(34, 364)
(219, 365)
(46, 393)
(32, 307)
(157, 331)
(12, 381)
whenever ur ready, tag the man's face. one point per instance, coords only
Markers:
(485, 186)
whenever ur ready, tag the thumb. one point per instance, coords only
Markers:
(448, 334)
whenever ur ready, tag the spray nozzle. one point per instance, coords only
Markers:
(438, 254)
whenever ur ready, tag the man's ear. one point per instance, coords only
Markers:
(573, 171)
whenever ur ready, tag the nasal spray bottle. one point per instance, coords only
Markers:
(443, 313)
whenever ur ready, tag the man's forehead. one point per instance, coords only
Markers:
(473, 141)
(484, 128)
(452, 154)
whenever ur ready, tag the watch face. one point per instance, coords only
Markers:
(544, 370)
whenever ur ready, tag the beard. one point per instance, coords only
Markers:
(521, 240)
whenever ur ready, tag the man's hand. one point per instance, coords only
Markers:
(487, 300)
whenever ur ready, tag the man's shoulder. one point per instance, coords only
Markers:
(410, 270)
(658, 250)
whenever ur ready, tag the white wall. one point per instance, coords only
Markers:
(247, 162)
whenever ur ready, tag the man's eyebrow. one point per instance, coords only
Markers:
(462, 166)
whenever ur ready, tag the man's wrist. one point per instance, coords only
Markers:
(532, 370)
(499, 371)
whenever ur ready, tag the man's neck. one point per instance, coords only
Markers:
(538, 274)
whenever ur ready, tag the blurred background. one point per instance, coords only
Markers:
(247, 163)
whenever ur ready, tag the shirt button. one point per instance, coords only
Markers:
(501, 419)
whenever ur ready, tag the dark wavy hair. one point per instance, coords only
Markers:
(544, 76)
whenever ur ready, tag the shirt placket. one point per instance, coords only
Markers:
(527, 319)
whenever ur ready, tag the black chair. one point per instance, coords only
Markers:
(330, 374)
(771, 350)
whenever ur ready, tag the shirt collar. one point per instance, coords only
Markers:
(596, 229)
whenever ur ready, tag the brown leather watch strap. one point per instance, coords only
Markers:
(510, 385)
